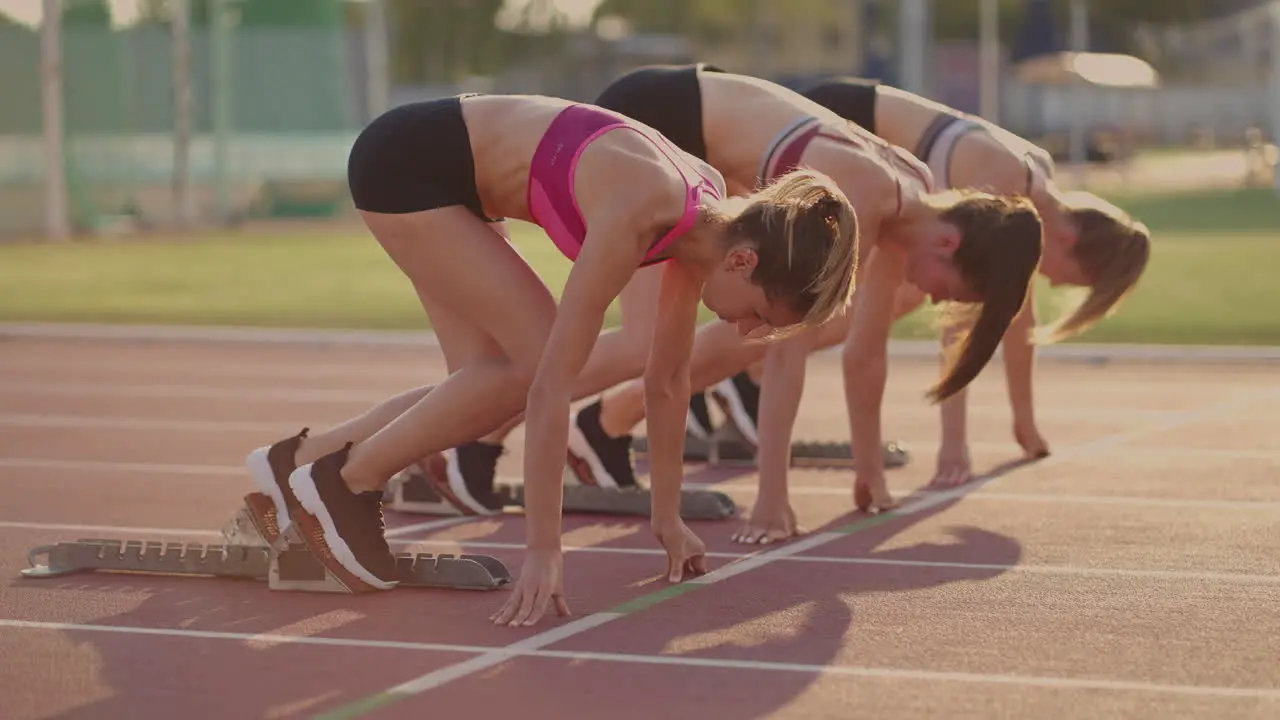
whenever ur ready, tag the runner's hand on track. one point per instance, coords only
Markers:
(954, 466)
(686, 553)
(1032, 442)
(770, 522)
(541, 583)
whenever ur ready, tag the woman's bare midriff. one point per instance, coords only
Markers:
(505, 132)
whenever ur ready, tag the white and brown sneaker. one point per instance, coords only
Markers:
(270, 467)
(344, 530)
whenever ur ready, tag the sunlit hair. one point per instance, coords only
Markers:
(1113, 250)
(805, 235)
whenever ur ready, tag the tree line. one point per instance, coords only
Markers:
(447, 40)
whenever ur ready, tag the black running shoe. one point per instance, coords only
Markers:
(739, 398)
(270, 468)
(464, 476)
(595, 457)
(344, 530)
(699, 423)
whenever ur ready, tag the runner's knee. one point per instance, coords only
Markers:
(636, 346)
(528, 341)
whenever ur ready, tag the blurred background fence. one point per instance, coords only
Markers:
(131, 114)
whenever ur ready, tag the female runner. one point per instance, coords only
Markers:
(430, 180)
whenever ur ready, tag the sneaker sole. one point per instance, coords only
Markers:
(731, 404)
(693, 426)
(321, 536)
(454, 488)
(584, 462)
(260, 469)
(263, 515)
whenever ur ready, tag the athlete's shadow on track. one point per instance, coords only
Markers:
(789, 611)
(821, 613)
(236, 670)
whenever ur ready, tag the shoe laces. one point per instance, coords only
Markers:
(373, 502)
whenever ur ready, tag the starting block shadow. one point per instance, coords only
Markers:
(286, 565)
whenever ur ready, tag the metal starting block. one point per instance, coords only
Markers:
(288, 566)
(293, 568)
(412, 492)
(840, 455)
(296, 569)
(727, 447)
(142, 556)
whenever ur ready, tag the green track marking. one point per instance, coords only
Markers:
(361, 707)
(659, 596)
(364, 706)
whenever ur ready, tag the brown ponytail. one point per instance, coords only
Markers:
(999, 252)
(1113, 250)
(806, 236)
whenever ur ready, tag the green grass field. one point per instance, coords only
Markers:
(1207, 283)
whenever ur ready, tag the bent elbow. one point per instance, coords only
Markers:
(661, 386)
(862, 358)
(792, 350)
(544, 392)
(666, 382)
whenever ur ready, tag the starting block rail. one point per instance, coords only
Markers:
(145, 556)
(694, 504)
(726, 447)
(286, 565)
(413, 492)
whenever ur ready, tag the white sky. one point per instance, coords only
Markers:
(124, 11)
(30, 11)
(578, 11)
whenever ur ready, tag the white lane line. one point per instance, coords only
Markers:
(439, 677)
(136, 423)
(174, 391)
(921, 349)
(746, 560)
(114, 466)
(486, 656)
(733, 486)
(430, 525)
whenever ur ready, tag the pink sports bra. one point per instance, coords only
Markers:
(555, 162)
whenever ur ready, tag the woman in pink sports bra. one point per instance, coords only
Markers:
(432, 181)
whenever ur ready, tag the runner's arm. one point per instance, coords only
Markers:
(1019, 363)
(667, 389)
(781, 389)
(613, 249)
(866, 357)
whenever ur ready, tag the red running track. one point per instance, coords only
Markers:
(1135, 574)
